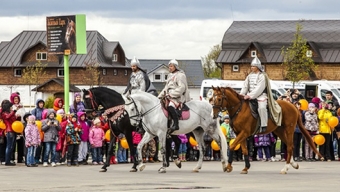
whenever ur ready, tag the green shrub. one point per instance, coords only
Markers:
(49, 102)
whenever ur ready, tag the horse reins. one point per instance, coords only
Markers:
(93, 102)
(224, 97)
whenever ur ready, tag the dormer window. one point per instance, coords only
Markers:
(114, 57)
(41, 56)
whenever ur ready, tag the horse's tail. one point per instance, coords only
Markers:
(307, 136)
(223, 140)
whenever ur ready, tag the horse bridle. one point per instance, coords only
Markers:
(94, 104)
(220, 107)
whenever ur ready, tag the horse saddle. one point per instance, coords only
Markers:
(253, 104)
(183, 112)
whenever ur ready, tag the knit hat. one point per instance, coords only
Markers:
(97, 120)
(76, 95)
(61, 111)
(310, 105)
(175, 63)
(316, 100)
(226, 117)
(31, 118)
(72, 115)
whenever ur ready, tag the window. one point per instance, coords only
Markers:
(253, 53)
(104, 71)
(115, 72)
(309, 53)
(125, 72)
(17, 72)
(41, 56)
(236, 68)
(114, 57)
(165, 77)
(157, 77)
(60, 72)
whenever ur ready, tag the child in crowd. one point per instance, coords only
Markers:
(85, 127)
(38, 113)
(121, 152)
(312, 126)
(32, 136)
(73, 132)
(263, 142)
(60, 155)
(182, 147)
(96, 138)
(58, 104)
(136, 138)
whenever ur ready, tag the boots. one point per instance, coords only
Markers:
(144, 160)
(184, 157)
(174, 116)
(68, 163)
(76, 163)
(113, 160)
(151, 160)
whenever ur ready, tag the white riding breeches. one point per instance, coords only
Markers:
(262, 109)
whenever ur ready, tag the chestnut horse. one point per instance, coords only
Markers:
(70, 35)
(244, 124)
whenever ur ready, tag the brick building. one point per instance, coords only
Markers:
(246, 39)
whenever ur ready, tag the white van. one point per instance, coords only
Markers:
(289, 85)
(236, 85)
(319, 88)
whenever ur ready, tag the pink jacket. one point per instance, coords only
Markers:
(32, 135)
(96, 136)
(136, 137)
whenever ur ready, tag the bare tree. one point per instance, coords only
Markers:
(297, 63)
(210, 67)
(92, 68)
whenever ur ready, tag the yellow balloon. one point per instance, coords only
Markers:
(237, 146)
(215, 146)
(59, 118)
(304, 104)
(224, 131)
(124, 143)
(319, 139)
(192, 141)
(107, 135)
(333, 122)
(17, 126)
(39, 124)
(2, 124)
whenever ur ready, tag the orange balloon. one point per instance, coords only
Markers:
(333, 122)
(237, 146)
(17, 126)
(215, 146)
(319, 139)
(124, 143)
(107, 135)
(41, 136)
(304, 104)
(39, 124)
(192, 141)
(2, 124)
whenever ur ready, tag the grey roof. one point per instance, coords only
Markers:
(3, 44)
(268, 37)
(11, 53)
(60, 82)
(192, 68)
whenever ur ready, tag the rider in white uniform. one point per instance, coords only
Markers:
(176, 89)
(255, 88)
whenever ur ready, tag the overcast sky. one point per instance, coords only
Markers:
(156, 29)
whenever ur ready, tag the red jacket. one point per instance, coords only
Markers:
(8, 119)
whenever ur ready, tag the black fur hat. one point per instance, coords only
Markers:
(6, 105)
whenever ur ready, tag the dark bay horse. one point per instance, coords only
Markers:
(244, 124)
(119, 121)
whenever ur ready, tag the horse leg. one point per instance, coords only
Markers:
(168, 143)
(162, 141)
(108, 153)
(287, 138)
(199, 138)
(175, 155)
(246, 157)
(145, 139)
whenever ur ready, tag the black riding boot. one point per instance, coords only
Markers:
(173, 114)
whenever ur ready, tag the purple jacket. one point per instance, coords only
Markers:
(32, 135)
(96, 136)
(84, 126)
(264, 140)
(183, 138)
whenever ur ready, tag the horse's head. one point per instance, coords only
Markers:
(217, 100)
(225, 99)
(132, 107)
(70, 30)
(91, 104)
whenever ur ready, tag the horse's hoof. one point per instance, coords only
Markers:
(133, 170)
(297, 166)
(244, 171)
(195, 171)
(229, 169)
(283, 172)
(142, 167)
(162, 170)
(103, 170)
(225, 169)
(179, 165)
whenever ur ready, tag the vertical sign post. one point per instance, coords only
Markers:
(66, 35)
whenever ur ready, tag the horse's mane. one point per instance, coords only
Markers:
(144, 95)
(234, 92)
(106, 91)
